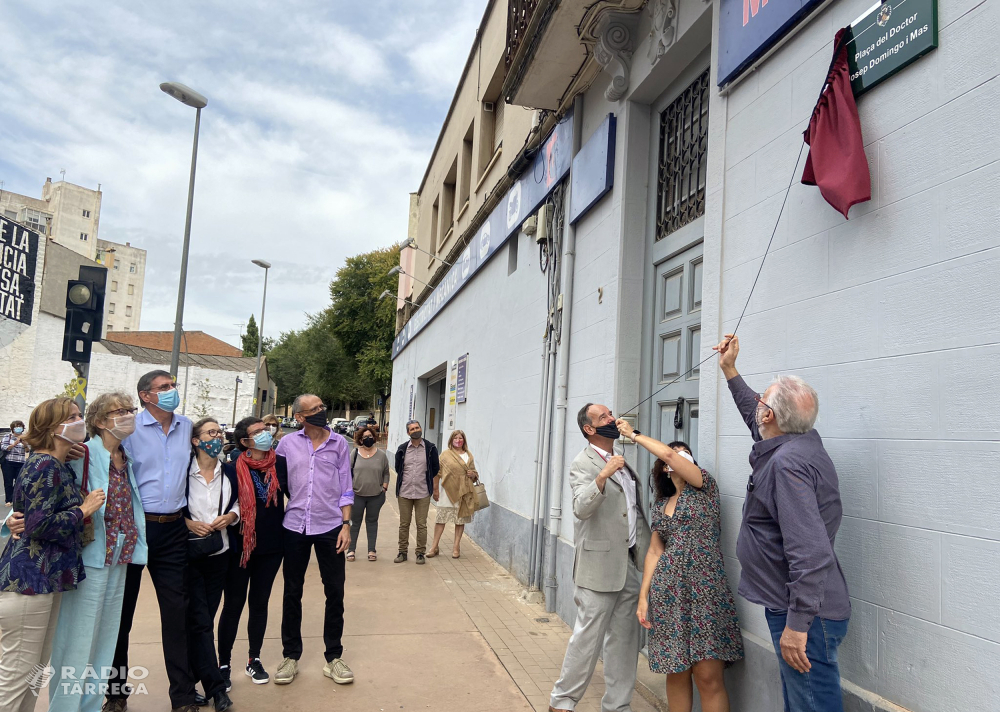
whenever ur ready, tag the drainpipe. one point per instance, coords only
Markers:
(546, 449)
(557, 473)
(543, 405)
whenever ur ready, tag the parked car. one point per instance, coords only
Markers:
(339, 425)
(353, 425)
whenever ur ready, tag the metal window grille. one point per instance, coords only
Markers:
(680, 191)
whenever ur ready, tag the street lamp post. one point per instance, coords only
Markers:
(260, 338)
(187, 96)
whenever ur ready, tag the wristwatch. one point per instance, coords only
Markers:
(635, 434)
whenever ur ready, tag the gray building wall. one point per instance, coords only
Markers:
(888, 315)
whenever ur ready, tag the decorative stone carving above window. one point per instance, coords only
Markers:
(664, 30)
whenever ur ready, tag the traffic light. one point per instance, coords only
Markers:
(84, 313)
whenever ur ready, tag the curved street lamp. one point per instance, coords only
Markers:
(191, 98)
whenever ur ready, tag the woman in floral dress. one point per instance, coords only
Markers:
(685, 601)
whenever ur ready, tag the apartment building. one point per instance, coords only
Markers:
(126, 279)
(480, 138)
(708, 102)
(70, 215)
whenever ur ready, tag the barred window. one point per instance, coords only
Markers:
(680, 190)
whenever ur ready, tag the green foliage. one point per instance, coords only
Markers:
(250, 340)
(204, 395)
(343, 354)
(364, 323)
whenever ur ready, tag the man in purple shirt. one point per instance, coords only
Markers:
(314, 468)
(791, 515)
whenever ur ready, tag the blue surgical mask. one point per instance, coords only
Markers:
(168, 400)
(262, 440)
(212, 447)
(18, 430)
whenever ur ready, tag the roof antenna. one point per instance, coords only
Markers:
(63, 174)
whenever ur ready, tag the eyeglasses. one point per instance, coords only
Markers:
(121, 412)
(313, 411)
(759, 397)
(161, 389)
(251, 436)
(213, 433)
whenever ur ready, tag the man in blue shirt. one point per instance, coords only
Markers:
(160, 448)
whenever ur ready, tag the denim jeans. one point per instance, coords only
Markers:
(819, 689)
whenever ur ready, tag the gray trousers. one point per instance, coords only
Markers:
(606, 626)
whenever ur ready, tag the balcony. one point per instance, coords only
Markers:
(556, 48)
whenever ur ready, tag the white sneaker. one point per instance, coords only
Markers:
(287, 671)
(338, 671)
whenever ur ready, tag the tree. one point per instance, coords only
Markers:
(343, 354)
(363, 322)
(250, 340)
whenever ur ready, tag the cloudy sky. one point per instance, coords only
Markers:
(321, 119)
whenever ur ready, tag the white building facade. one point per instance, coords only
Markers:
(664, 265)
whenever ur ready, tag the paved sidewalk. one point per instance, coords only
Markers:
(450, 635)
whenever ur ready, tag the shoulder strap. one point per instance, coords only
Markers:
(86, 470)
(354, 460)
(222, 486)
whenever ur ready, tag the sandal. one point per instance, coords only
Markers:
(350, 556)
(372, 556)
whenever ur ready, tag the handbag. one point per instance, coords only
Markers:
(88, 522)
(482, 501)
(201, 547)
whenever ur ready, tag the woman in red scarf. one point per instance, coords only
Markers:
(256, 548)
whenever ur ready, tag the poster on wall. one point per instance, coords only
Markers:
(18, 259)
(452, 393)
(463, 375)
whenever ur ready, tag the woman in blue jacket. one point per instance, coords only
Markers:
(89, 616)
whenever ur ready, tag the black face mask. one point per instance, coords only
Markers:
(609, 431)
(368, 442)
(317, 419)
(416, 434)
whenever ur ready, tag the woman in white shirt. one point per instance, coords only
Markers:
(212, 508)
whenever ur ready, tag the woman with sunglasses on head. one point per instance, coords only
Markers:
(257, 548)
(685, 601)
(273, 426)
(45, 561)
(89, 617)
(212, 508)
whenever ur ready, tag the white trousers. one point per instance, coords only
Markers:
(606, 626)
(27, 624)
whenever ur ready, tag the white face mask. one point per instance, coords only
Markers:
(272, 429)
(124, 425)
(73, 432)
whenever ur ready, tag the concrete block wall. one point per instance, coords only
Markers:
(890, 315)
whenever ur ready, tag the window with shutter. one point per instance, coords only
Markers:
(498, 112)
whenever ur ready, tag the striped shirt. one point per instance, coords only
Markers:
(790, 520)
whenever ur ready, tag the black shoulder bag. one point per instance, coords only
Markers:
(201, 547)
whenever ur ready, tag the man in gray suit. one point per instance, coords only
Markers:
(611, 536)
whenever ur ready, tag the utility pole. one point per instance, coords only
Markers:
(236, 397)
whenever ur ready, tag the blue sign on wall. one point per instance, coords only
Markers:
(748, 28)
(551, 164)
(593, 169)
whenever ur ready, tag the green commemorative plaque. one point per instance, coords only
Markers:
(888, 37)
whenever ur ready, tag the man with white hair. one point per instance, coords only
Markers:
(791, 516)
